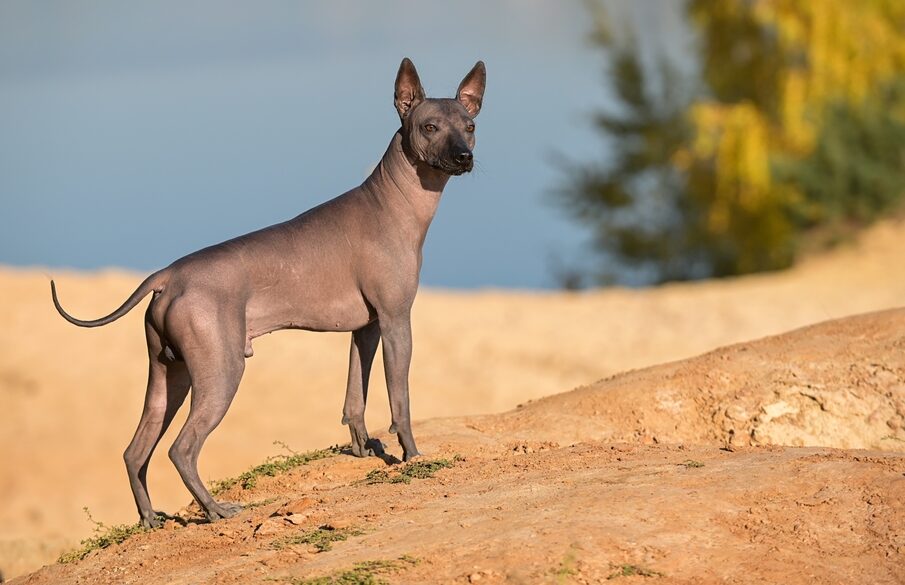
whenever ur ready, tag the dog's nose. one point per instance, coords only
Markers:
(464, 157)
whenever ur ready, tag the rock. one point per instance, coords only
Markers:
(297, 519)
(737, 412)
(776, 410)
(296, 507)
(339, 523)
(270, 527)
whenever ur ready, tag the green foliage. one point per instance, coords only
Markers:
(365, 573)
(409, 471)
(635, 204)
(104, 536)
(259, 503)
(795, 126)
(321, 538)
(628, 570)
(567, 568)
(856, 171)
(272, 467)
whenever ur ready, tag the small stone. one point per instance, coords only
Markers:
(296, 507)
(339, 523)
(737, 412)
(297, 519)
(474, 577)
(270, 527)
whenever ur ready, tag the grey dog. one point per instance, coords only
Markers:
(350, 264)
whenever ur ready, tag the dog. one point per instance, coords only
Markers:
(350, 264)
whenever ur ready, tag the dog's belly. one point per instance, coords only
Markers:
(326, 309)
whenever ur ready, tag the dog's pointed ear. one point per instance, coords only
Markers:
(471, 90)
(409, 92)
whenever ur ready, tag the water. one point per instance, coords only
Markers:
(134, 133)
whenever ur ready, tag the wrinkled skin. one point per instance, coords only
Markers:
(350, 264)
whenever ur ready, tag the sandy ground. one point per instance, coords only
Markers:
(548, 494)
(71, 397)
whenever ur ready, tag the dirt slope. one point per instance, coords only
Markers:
(547, 494)
(839, 384)
(70, 398)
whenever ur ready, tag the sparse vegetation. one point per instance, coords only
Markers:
(322, 538)
(104, 536)
(274, 466)
(692, 464)
(566, 568)
(628, 570)
(259, 503)
(409, 471)
(366, 573)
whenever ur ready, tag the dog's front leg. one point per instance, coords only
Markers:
(361, 356)
(397, 356)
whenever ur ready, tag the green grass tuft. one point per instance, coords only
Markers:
(409, 471)
(632, 570)
(273, 466)
(322, 538)
(366, 573)
(566, 568)
(692, 464)
(259, 503)
(104, 536)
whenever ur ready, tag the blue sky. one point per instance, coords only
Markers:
(134, 133)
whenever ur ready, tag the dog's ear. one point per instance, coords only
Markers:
(471, 90)
(409, 92)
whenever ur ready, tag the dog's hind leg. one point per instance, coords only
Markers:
(168, 385)
(361, 357)
(215, 358)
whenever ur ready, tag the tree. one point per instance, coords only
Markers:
(795, 128)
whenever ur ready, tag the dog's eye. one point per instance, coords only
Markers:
(469, 128)
(430, 128)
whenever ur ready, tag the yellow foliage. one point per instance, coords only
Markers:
(830, 51)
(733, 138)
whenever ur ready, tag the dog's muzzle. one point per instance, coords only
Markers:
(458, 164)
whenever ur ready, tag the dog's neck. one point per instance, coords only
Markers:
(411, 187)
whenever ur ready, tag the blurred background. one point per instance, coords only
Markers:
(622, 142)
(132, 135)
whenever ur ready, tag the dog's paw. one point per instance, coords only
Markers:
(152, 522)
(222, 510)
(406, 457)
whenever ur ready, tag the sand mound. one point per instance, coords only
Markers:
(543, 494)
(837, 384)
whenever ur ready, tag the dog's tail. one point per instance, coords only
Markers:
(153, 282)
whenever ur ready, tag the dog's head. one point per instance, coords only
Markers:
(439, 132)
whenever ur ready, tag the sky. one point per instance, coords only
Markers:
(132, 133)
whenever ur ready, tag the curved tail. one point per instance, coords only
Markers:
(153, 282)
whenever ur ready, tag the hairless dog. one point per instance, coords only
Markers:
(350, 264)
